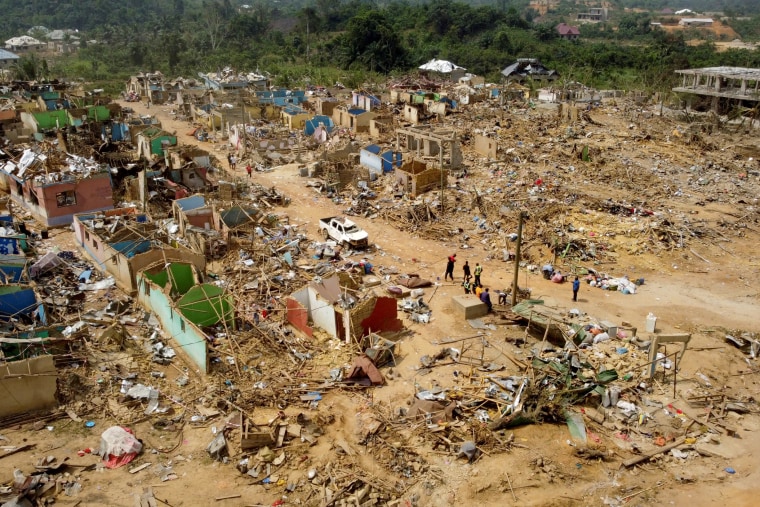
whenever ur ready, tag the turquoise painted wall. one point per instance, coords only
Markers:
(186, 335)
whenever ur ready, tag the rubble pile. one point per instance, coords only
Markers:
(200, 319)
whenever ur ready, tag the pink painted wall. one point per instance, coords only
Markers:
(298, 317)
(384, 317)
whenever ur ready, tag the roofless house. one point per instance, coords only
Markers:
(733, 84)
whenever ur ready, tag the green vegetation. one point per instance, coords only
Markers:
(323, 41)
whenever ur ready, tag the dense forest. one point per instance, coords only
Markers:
(320, 41)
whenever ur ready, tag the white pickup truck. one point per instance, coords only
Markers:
(344, 232)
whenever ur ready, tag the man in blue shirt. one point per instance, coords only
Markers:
(576, 287)
(485, 297)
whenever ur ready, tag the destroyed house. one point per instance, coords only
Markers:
(438, 144)
(281, 97)
(356, 119)
(186, 308)
(14, 247)
(46, 120)
(146, 86)
(228, 79)
(122, 242)
(32, 380)
(195, 221)
(239, 220)
(19, 301)
(325, 105)
(13, 252)
(528, 68)
(52, 101)
(324, 304)
(378, 161)
(730, 83)
(364, 100)
(294, 117)
(442, 69)
(152, 142)
(415, 178)
(381, 126)
(189, 166)
(53, 188)
(316, 122)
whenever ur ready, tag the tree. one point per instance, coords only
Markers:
(546, 32)
(29, 68)
(215, 23)
(635, 23)
(372, 42)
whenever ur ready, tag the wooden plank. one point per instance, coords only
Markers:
(281, 431)
(228, 497)
(141, 467)
(18, 449)
(255, 440)
(646, 457)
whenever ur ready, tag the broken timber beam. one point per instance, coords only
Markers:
(646, 457)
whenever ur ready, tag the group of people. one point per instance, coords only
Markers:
(483, 294)
(471, 285)
(467, 274)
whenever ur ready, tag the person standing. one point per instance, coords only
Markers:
(249, 170)
(229, 159)
(466, 269)
(478, 272)
(450, 267)
(576, 287)
(233, 161)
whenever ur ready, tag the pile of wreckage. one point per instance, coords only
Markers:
(283, 319)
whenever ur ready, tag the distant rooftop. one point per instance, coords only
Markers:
(7, 55)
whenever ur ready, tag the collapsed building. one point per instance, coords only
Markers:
(54, 187)
(281, 318)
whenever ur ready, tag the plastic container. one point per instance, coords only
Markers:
(651, 323)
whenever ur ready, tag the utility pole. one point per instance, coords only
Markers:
(517, 257)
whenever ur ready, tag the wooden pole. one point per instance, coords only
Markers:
(517, 257)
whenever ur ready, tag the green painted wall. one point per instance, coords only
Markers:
(98, 113)
(206, 305)
(181, 275)
(155, 144)
(47, 119)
